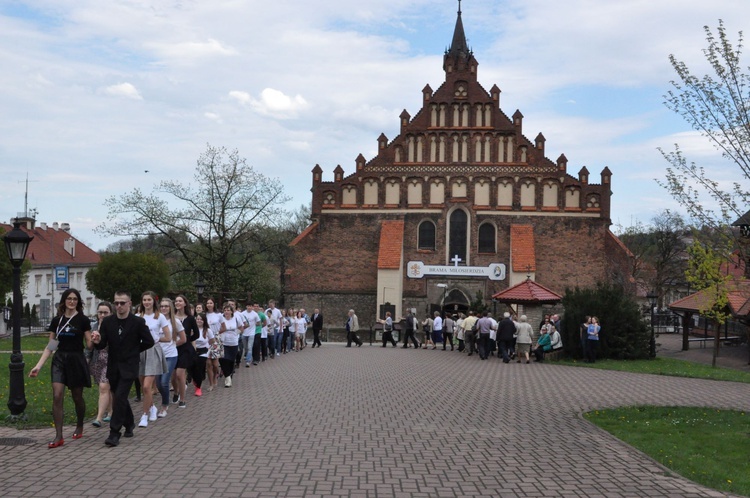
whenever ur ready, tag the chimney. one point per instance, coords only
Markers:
(70, 246)
(65, 227)
(43, 226)
(55, 226)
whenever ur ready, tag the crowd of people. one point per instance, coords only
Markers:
(160, 346)
(511, 338)
(164, 346)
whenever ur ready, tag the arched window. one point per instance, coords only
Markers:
(458, 229)
(426, 236)
(487, 238)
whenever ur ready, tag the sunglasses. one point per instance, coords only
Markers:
(120, 303)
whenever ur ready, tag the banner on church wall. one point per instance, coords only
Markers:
(417, 269)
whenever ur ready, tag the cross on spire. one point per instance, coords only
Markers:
(459, 7)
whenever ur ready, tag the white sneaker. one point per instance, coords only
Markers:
(152, 413)
(144, 421)
(227, 382)
(162, 414)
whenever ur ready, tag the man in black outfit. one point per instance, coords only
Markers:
(317, 326)
(505, 331)
(409, 331)
(126, 335)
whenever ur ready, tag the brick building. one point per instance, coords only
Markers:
(461, 198)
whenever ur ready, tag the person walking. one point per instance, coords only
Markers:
(352, 326)
(99, 371)
(410, 325)
(68, 331)
(484, 329)
(505, 331)
(125, 336)
(317, 327)
(448, 326)
(387, 329)
(524, 339)
(592, 340)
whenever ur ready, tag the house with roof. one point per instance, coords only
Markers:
(460, 205)
(58, 261)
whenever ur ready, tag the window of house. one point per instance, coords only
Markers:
(458, 237)
(487, 238)
(426, 236)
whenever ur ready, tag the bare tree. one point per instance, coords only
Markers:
(213, 222)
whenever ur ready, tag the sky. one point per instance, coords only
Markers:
(94, 93)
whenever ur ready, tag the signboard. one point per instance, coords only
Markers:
(417, 269)
(61, 277)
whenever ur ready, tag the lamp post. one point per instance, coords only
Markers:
(652, 298)
(17, 243)
(200, 286)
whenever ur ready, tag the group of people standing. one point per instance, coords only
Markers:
(480, 333)
(160, 345)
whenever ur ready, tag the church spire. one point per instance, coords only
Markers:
(459, 57)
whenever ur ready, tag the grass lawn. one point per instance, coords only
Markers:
(38, 390)
(666, 366)
(705, 445)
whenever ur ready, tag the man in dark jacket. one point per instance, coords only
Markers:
(505, 331)
(126, 335)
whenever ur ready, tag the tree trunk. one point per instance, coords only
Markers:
(716, 343)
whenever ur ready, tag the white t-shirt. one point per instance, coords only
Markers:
(437, 324)
(214, 322)
(170, 348)
(156, 325)
(231, 337)
(202, 342)
(252, 319)
(271, 323)
(301, 325)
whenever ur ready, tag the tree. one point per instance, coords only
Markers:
(624, 334)
(704, 273)
(213, 223)
(130, 271)
(717, 106)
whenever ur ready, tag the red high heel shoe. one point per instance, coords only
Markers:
(55, 444)
(78, 435)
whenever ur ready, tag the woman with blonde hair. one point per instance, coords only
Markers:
(185, 351)
(153, 363)
(176, 335)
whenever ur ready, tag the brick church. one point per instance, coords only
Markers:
(459, 205)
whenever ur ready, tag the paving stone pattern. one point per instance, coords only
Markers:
(370, 422)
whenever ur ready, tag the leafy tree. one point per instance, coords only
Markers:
(704, 273)
(134, 272)
(214, 223)
(718, 106)
(624, 334)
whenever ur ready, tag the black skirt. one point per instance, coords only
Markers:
(70, 368)
(185, 356)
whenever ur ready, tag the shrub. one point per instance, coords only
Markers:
(624, 334)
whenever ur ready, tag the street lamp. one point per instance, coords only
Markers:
(652, 298)
(200, 286)
(17, 243)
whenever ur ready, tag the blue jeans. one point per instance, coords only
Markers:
(279, 341)
(162, 381)
(247, 345)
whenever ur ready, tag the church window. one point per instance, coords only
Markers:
(487, 145)
(397, 155)
(478, 149)
(371, 192)
(414, 193)
(573, 198)
(392, 193)
(458, 239)
(510, 153)
(464, 149)
(454, 152)
(329, 199)
(501, 150)
(456, 122)
(528, 194)
(426, 236)
(465, 116)
(487, 238)
(592, 202)
(441, 153)
(523, 154)
(349, 196)
(420, 147)
(433, 115)
(505, 194)
(482, 193)
(488, 115)
(461, 90)
(459, 189)
(478, 116)
(549, 197)
(433, 148)
(411, 150)
(437, 192)
(442, 115)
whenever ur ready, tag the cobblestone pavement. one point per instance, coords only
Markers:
(369, 421)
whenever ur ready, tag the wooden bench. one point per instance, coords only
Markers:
(554, 355)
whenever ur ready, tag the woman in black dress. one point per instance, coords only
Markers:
(69, 367)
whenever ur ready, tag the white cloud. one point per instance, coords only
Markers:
(126, 90)
(272, 103)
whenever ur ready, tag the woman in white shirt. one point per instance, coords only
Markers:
(202, 344)
(231, 339)
(215, 322)
(301, 328)
(291, 326)
(177, 338)
(152, 360)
